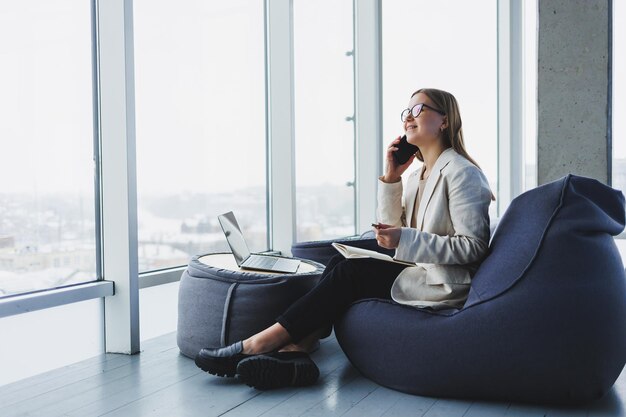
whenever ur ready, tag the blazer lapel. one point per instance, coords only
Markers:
(410, 197)
(443, 160)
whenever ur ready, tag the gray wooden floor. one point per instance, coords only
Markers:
(161, 382)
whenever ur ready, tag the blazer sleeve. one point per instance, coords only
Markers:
(469, 197)
(390, 208)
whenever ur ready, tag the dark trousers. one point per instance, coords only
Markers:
(343, 282)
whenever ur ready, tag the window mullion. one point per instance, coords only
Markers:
(118, 176)
(280, 124)
(510, 103)
(368, 111)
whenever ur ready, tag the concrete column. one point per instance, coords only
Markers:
(573, 106)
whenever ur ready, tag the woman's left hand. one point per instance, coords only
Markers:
(388, 236)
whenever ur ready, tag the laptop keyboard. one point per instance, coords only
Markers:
(260, 262)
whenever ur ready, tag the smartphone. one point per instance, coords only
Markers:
(404, 152)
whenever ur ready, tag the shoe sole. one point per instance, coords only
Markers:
(215, 368)
(264, 372)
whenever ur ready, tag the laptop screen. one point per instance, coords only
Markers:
(234, 236)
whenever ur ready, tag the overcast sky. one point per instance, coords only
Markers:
(200, 88)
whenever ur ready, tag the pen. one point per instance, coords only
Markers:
(376, 225)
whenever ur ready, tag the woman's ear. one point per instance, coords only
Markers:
(444, 123)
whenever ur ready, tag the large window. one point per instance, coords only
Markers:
(451, 46)
(47, 215)
(529, 40)
(619, 96)
(324, 127)
(200, 121)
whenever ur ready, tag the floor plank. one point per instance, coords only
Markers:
(410, 405)
(98, 366)
(342, 400)
(27, 395)
(526, 410)
(299, 401)
(331, 361)
(376, 403)
(150, 378)
(487, 409)
(161, 382)
(448, 408)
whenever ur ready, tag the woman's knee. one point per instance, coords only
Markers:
(345, 270)
(330, 266)
(334, 260)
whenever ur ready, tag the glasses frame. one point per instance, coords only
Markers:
(420, 106)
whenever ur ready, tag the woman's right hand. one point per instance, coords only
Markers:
(393, 172)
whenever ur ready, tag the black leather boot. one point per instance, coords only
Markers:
(278, 369)
(221, 361)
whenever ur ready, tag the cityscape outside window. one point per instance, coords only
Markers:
(324, 128)
(47, 214)
(199, 153)
(200, 122)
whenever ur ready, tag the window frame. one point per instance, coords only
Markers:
(114, 116)
(19, 303)
(611, 42)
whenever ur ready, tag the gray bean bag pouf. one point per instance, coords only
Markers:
(545, 320)
(217, 306)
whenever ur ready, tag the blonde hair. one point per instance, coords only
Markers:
(452, 135)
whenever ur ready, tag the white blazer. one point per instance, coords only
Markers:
(452, 234)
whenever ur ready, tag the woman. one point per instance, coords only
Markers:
(442, 224)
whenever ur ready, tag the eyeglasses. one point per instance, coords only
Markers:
(416, 110)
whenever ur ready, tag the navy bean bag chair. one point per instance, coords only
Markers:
(545, 320)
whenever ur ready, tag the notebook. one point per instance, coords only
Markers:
(244, 258)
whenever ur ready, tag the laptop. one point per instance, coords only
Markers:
(242, 254)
